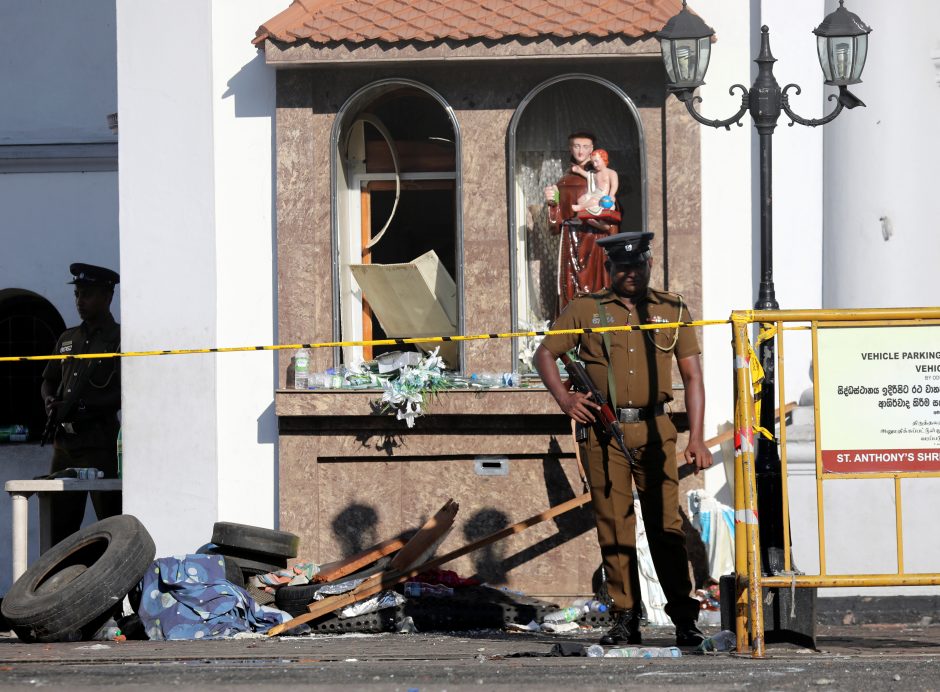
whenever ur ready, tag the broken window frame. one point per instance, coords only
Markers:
(345, 209)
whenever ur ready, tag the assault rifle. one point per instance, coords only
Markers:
(52, 422)
(606, 424)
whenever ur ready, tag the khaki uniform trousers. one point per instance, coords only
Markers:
(653, 446)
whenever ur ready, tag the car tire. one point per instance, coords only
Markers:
(295, 599)
(80, 579)
(255, 539)
(249, 563)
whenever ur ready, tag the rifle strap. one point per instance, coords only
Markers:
(611, 385)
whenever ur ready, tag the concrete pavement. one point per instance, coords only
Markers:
(875, 657)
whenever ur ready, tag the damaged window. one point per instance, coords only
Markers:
(397, 221)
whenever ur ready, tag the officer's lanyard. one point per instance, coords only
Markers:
(611, 385)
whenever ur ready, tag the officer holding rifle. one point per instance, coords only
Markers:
(83, 397)
(632, 374)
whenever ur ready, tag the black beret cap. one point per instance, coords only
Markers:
(632, 247)
(90, 275)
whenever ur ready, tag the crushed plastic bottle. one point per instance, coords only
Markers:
(726, 640)
(595, 651)
(644, 652)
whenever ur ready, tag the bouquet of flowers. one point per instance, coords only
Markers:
(405, 394)
(529, 344)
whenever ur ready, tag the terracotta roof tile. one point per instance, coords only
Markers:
(392, 21)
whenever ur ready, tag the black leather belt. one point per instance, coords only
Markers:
(635, 415)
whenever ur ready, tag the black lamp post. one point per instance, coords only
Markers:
(842, 45)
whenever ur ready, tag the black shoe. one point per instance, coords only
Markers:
(626, 629)
(688, 634)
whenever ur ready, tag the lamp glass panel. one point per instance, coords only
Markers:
(822, 47)
(861, 52)
(841, 55)
(704, 54)
(686, 59)
(667, 49)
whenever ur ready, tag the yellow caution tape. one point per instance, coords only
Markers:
(373, 342)
(767, 332)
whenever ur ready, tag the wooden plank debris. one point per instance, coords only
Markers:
(384, 580)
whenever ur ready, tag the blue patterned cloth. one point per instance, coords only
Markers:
(188, 597)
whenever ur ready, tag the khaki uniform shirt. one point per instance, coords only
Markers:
(642, 372)
(100, 397)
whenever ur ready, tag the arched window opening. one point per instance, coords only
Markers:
(538, 156)
(29, 326)
(397, 220)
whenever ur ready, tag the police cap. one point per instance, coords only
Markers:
(627, 248)
(90, 275)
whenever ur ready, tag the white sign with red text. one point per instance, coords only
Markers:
(879, 398)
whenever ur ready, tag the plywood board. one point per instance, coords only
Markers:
(413, 299)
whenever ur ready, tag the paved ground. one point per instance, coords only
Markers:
(857, 657)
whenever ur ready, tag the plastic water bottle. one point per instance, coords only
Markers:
(595, 651)
(569, 614)
(726, 640)
(301, 368)
(486, 379)
(14, 433)
(417, 589)
(644, 652)
(590, 605)
(88, 474)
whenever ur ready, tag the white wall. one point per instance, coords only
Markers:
(56, 91)
(51, 220)
(730, 189)
(726, 207)
(58, 71)
(243, 91)
(196, 106)
(882, 161)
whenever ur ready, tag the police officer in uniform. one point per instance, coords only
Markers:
(633, 369)
(83, 398)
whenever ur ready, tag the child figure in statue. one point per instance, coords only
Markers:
(602, 182)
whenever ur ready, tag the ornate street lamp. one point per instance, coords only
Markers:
(842, 46)
(686, 43)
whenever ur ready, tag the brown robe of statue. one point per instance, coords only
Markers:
(580, 260)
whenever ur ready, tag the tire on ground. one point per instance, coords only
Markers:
(295, 599)
(247, 561)
(255, 539)
(233, 572)
(57, 600)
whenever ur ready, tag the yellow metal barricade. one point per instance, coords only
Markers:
(751, 580)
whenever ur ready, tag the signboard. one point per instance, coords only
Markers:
(879, 398)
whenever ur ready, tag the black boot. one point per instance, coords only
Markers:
(688, 633)
(626, 629)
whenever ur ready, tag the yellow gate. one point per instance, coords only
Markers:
(749, 611)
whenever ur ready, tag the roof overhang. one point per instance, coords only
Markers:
(299, 54)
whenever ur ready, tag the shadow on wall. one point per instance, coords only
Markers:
(355, 527)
